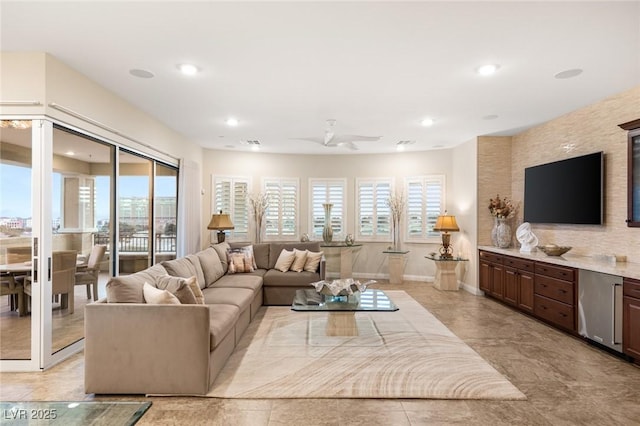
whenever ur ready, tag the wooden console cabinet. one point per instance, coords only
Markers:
(631, 318)
(555, 295)
(547, 291)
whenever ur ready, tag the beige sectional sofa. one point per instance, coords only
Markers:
(134, 347)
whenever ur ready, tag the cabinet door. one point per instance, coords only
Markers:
(497, 281)
(631, 327)
(511, 287)
(525, 296)
(485, 276)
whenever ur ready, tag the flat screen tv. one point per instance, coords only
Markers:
(565, 192)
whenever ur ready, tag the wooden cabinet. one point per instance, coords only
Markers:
(555, 295)
(492, 274)
(631, 318)
(547, 291)
(518, 283)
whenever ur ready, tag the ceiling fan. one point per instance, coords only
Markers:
(330, 139)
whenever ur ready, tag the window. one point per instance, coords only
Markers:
(327, 191)
(425, 202)
(230, 196)
(281, 217)
(374, 216)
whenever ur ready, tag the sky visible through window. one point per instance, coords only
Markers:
(15, 191)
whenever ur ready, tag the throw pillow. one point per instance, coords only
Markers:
(179, 287)
(300, 258)
(240, 260)
(197, 291)
(313, 260)
(285, 260)
(249, 249)
(156, 296)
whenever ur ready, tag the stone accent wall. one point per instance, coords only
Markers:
(494, 178)
(589, 129)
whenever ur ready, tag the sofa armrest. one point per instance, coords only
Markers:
(133, 348)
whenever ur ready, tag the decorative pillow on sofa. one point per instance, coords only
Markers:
(240, 260)
(156, 296)
(300, 258)
(180, 287)
(285, 260)
(313, 260)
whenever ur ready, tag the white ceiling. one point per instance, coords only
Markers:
(378, 68)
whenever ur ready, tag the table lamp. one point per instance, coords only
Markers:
(445, 224)
(220, 222)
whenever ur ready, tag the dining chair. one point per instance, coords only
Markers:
(88, 274)
(18, 254)
(9, 287)
(63, 277)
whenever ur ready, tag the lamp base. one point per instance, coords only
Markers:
(221, 236)
(446, 252)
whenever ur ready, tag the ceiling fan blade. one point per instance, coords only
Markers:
(350, 145)
(351, 138)
(316, 140)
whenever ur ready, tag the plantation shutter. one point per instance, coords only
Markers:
(230, 196)
(425, 202)
(281, 216)
(374, 220)
(327, 191)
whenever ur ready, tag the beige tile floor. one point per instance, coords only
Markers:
(566, 381)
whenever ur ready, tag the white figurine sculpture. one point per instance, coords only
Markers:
(527, 239)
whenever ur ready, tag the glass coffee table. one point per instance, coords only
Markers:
(369, 300)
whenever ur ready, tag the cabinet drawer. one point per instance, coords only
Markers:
(558, 272)
(521, 264)
(554, 289)
(553, 311)
(491, 257)
(631, 288)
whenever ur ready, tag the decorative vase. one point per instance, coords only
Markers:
(349, 240)
(503, 233)
(258, 230)
(395, 233)
(327, 231)
(494, 232)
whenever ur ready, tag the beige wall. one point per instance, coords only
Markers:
(593, 128)
(369, 260)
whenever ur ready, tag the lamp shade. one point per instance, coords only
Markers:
(220, 222)
(446, 223)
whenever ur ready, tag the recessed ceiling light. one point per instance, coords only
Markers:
(233, 122)
(427, 122)
(568, 73)
(141, 73)
(488, 69)
(188, 69)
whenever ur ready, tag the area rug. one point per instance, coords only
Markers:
(402, 354)
(72, 413)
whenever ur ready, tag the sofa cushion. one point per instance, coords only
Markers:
(249, 281)
(156, 296)
(128, 288)
(276, 248)
(313, 261)
(240, 260)
(285, 260)
(300, 257)
(183, 267)
(240, 297)
(179, 287)
(222, 319)
(211, 265)
(221, 249)
(276, 278)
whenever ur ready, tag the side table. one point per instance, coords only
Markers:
(446, 278)
(346, 257)
(396, 265)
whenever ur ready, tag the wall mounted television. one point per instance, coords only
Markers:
(568, 191)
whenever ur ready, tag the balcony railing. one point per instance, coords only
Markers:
(139, 243)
